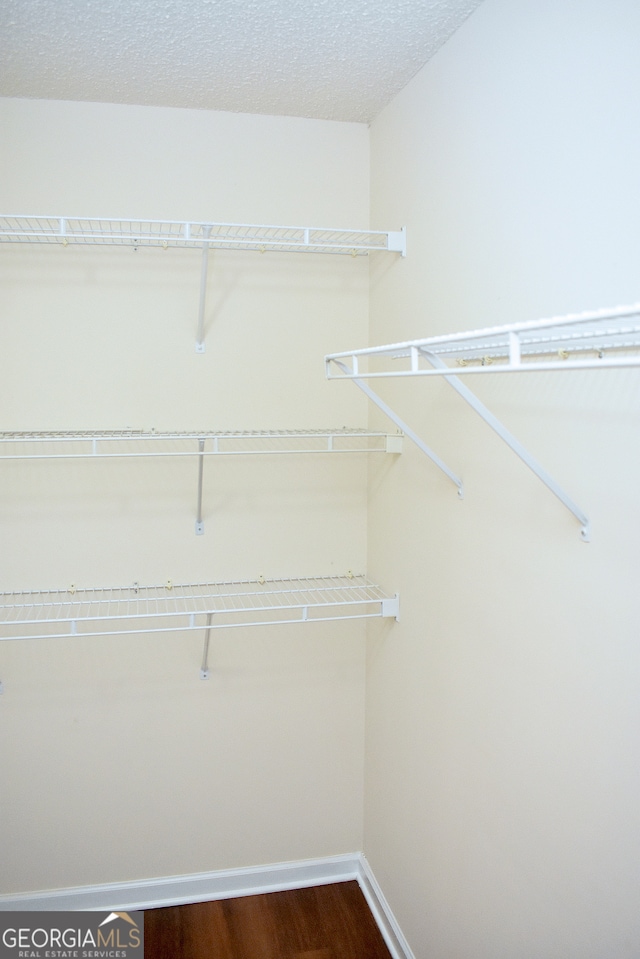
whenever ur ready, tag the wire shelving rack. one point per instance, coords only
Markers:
(599, 339)
(118, 444)
(169, 607)
(191, 235)
(85, 444)
(592, 340)
(109, 231)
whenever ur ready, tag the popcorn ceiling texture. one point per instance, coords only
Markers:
(325, 59)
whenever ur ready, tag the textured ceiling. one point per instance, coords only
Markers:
(313, 58)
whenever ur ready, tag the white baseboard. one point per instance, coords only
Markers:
(197, 887)
(225, 884)
(387, 923)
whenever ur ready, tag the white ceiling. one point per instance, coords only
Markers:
(327, 59)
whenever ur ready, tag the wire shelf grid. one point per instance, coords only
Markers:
(169, 608)
(578, 341)
(141, 443)
(102, 231)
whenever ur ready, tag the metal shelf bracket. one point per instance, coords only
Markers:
(469, 397)
(204, 669)
(200, 345)
(391, 607)
(199, 522)
(406, 430)
(397, 242)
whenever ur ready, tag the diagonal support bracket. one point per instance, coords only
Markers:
(510, 440)
(199, 522)
(413, 436)
(204, 668)
(203, 290)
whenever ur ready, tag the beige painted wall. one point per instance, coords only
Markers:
(502, 766)
(117, 761)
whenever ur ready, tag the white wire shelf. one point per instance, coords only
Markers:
(174, 608)
(599, 339)
(172, 234)
(112, 444)
(103, 231)
(142, 443)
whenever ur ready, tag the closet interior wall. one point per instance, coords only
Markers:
(118, 761)
(503, 717)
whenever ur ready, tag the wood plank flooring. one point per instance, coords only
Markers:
(323, 922)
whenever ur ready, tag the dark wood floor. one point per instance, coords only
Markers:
(323, 922)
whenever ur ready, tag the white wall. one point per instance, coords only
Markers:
(502, 765)
(117, 761)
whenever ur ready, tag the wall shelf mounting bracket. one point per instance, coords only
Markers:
(199, 522)
(469, 397)
(406, 430)
(200, 345)
(204, 669)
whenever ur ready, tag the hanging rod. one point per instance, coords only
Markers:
(59, 613)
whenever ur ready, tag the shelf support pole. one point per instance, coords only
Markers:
(199, 522)
(204, 669)
(386, 409)
(203, 290)
(510, 440)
